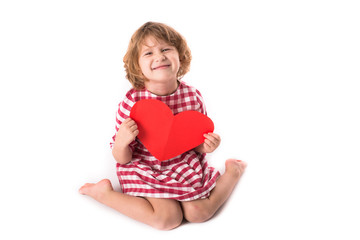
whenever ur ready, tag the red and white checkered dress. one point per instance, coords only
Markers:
(183, 178)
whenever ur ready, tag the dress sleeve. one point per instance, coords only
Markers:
(201, 103)
(123, 113)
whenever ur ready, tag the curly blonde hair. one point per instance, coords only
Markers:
(161, 32)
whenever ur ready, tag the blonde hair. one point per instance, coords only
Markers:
(161, 32)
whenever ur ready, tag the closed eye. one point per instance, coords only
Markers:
(147, 53)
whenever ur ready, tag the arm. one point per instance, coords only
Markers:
(212, 141)
(126, 134)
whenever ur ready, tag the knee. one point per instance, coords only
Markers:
(168, 221)
(195, 213)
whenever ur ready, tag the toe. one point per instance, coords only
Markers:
(84, 189)
(81, 190)
(244, 164)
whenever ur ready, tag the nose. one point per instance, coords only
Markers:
(160, 57)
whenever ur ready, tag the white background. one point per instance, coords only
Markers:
(280, 80)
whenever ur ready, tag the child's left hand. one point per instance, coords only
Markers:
(212, 141)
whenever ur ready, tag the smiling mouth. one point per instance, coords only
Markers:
(161, 67)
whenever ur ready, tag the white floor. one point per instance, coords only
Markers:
(280, 81)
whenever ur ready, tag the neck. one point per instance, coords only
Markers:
(162, 89)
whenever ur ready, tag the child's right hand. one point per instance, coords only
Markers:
(127, 132)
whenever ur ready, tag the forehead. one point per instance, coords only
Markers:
(150, 42)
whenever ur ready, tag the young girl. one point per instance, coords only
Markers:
(157, 193)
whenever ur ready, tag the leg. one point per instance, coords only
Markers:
(164, 214)
(203, 209)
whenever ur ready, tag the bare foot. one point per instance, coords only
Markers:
(235, 167)
(96, 190)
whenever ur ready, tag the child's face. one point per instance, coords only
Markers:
(159, 61)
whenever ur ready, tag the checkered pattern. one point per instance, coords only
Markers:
(185, 177)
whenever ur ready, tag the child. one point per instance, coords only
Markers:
(157, 193)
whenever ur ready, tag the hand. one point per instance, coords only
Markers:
(212, 141)
(127, 132)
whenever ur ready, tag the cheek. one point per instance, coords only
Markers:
(175, 60)
(142, 65)
(178, 65)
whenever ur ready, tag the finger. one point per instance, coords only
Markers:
(216, 136)
(133, 128)
(207, 148)
(210, 143)
(127, 120)
(206, 145)
(211, 138)
(131, 123)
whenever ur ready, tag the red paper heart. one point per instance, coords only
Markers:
(166, 135)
